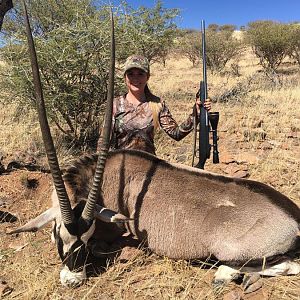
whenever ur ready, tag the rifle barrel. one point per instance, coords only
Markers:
(204, 57)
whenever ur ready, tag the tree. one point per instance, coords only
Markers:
(147, 31)
(73, 52)
(221, 47)
(269, 41)
(294, 43)
(72, 43)
(189, 45)
(227, 27)
(213, 27)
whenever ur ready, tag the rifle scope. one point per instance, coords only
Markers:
(214, 120)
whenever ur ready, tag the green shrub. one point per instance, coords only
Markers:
(221, 47)
(294, 44)
(269, 41)
(147, 31)
(73, 52)
(189, 45)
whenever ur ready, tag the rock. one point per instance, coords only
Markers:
(226, 158)
(251, 282)
(181, 158)
(235, 294)
(4, 288)
(129, 253)
(249, 158)
(265, 146)
(241, 174)
(238, 294)
(13, 165)
(292, 135)
(237, 171)
(285, 146)
(260, 294)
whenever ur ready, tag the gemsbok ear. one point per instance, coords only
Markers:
(109, 216)
(38, 222)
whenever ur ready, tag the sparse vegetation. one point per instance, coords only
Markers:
(221, 47)
(259, 132)
(73, 59)
(265, 109)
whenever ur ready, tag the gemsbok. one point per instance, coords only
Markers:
(177, 211)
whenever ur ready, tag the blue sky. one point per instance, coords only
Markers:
(237, 12)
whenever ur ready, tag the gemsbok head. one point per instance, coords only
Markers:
(73, 225)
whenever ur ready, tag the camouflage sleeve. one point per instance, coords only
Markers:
(170, 126)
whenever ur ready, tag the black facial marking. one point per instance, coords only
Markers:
(77, 255)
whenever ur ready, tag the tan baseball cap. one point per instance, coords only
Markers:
(137, 61)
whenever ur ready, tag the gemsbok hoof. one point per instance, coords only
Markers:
(224, 275)
(251, 283)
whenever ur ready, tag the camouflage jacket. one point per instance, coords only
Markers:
(134, 126)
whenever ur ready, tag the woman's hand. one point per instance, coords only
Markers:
(207, 104)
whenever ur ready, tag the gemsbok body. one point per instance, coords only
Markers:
(185, 213)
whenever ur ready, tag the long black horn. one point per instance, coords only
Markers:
(65, 206)
(88, 212)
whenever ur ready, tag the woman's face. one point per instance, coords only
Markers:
(136, 79)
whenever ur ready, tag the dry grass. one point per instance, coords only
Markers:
(264, 119)
(263, 122)
(17, 134)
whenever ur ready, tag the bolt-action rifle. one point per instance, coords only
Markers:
(208, 122)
